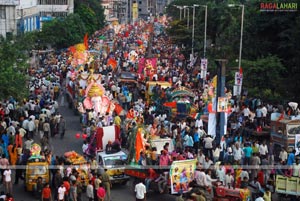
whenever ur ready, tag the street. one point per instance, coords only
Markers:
(69, 143)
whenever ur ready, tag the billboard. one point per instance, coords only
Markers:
(181, 174)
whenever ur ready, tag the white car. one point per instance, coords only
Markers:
(115, 164)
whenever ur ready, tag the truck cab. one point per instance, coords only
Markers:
(115, 165)
(284, 133)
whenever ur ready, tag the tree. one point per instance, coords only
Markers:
(263, 77)
(270, 40)
(13, 66)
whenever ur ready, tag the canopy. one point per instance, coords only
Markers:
(182, 91)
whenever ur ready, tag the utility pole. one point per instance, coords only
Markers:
(221, 69)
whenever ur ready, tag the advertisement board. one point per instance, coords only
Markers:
(222, 104)
(181, 173)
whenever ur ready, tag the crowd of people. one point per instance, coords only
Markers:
(235, 162)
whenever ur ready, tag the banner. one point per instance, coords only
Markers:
(181, 174)
(212, 123)
(297, 144)
(150, 67)
(237, 90)
(238, 79)
(203, 68)
(135, 13)
(222, 104)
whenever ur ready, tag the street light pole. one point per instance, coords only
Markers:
(241, 39)
(188, 17)
(193, 30)
(205, 28)
(242, 27)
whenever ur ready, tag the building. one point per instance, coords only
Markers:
(19, 16)
(27, 16)
(8, 23)
(127, 10)
(49, 9)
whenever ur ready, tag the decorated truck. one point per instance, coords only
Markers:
(78, 162)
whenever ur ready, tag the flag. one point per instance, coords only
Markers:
(112, 62)
(85, 41)
(195, 115)
(170, 104)
(72, 49)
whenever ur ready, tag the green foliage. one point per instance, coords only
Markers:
(271, 44)
(62, 33)
(263, 77)
(13, 66)
(91, 13)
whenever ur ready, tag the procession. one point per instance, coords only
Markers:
(127, 111)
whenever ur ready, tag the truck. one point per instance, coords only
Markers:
(115, 165)
(288, 186)
(285, 134)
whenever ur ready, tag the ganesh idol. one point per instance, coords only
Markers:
(96, 99)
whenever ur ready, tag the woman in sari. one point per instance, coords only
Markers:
(13, 154)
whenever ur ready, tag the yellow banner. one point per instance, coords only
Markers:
(135, 12)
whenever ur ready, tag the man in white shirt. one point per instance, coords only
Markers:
(140, 190)
(200, 177)
(246, 112)
(237, 154)
(61, 192)
(7, 180)
(296, 169)
(199, 123)
(283, 155)
(263, 149)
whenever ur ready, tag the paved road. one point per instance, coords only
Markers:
(119, 192)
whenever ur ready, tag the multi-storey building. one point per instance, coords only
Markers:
(8, 23)
(19, 16)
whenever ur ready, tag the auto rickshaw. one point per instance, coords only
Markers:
(36, 167)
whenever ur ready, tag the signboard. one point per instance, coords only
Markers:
(222, 104)
(297, 144)
(203, 68)
(238, 79)
(181, 174)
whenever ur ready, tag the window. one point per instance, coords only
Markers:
(53, 2)
(140, 10)
(2, 12)
(114, 160)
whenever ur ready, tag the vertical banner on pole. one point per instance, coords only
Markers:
(203, 68)
(135, 13)
(297, 143)
(238, 79)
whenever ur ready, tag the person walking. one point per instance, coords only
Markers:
(61, 192)
(7, 180)
(106, 184)
(90, 191)
(140, 190)
(46, 193)
(62, 127)
(101, 193)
